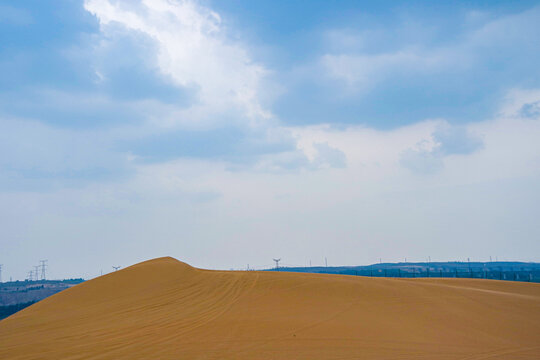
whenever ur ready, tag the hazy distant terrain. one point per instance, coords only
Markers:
(165, 309)
(496, 270)
(16, 292)
(16, 295)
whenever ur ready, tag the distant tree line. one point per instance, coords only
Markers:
(8, 310)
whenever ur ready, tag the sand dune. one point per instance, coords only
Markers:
(165, 309)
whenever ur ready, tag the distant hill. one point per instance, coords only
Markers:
(16, 292)
(16, 295)
(499, 270)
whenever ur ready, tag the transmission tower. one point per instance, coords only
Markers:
(36, 272)
(277, 263)
(43, 264)
(116, 268)
(1, 272)
(30, 275)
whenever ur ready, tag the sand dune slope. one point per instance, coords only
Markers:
(165, 309)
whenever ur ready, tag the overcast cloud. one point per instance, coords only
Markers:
(132, 130)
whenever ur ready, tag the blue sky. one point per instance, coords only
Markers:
(189, 128)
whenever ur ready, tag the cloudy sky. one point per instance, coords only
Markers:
(226, 133)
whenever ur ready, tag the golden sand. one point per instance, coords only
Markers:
(165, 309)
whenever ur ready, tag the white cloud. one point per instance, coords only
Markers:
(38, 157)
(521, 102)
(329, 156)
(422, 160)
(342, 193)
(194, 50)
(361, 67)
(360, 72)
(427, 156)
(202, 212)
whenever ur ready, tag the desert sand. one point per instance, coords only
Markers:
(165, 309)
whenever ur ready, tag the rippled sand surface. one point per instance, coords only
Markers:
(165, 309)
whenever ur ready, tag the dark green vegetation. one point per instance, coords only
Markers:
(8, 310)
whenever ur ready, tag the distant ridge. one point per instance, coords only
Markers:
(497, 270)
(166, 309)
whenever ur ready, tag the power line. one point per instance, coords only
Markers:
(43, 266)
(36, 272)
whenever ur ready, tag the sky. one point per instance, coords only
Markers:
(228, 133)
